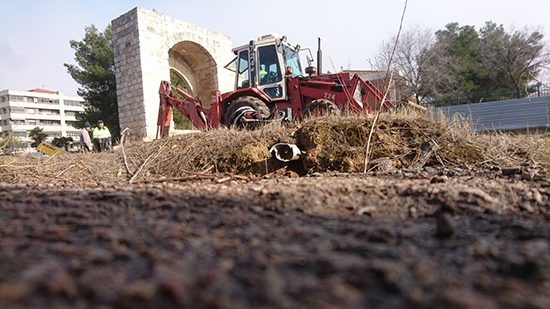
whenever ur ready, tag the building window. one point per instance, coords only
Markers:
(72, 103)
(18, 122)
(31, 122)
(48, 112)
(4, 98)
(17, 109)
(50, 122)
(16, 98)
(73, 133)
(30, 110)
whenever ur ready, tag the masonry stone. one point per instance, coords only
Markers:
(147, 46)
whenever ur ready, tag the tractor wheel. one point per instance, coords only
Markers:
(244, 108)
(321, 107)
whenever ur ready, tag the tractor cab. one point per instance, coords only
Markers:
(264, 64)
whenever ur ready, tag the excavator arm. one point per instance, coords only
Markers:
(188, 105)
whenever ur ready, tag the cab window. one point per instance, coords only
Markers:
(292, 60)
(269, 69)
(242, 72)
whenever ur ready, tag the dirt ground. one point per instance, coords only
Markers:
(444, 218)
(432, 237)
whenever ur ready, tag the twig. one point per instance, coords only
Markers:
(341, 80)
(63, 171)
(390, 77)
(221, 178)
(7, 164)
(150, 157)
(367, 150)
(124, 152)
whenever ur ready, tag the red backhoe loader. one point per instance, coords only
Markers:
(269, 85)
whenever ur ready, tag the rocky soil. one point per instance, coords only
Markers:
(432, 237)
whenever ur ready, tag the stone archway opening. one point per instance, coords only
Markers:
(196, 67)
(178, 80)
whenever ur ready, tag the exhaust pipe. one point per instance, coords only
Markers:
(319, 57)
(285, 152)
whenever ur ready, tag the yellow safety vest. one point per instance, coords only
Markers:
(101, 133)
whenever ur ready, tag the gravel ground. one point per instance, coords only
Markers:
(452, 238)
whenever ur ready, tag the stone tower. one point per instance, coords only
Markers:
(147, 46)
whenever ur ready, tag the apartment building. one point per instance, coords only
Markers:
(22, 111)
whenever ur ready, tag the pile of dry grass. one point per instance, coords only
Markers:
(329, 144)
(215, 151)
(339, 143)
(70, 169)
(503, 148)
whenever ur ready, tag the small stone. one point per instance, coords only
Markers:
(367, 210)
(537, 197)
(445, 224)
(528, 175)
(439, 179)
(452, 173)
(100, 256)
(430, 169)
(413, 212)
(526, 207)
(13, 291)
(141, 290)
(509, 171)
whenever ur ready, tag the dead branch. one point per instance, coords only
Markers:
(149, 158)
(124, 152)
(63, 171)
(389, 73)
(218, 178)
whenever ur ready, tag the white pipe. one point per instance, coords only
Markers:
(285, 152)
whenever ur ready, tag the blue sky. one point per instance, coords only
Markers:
(34, 35)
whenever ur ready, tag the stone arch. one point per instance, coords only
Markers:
(197, 67)
(146, 45)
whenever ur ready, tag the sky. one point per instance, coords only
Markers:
(35, 35)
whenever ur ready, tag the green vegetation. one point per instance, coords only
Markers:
(180, 121)
(10, 144)
(38, 135)
(62, 142)
(95, 73)
(462, 64)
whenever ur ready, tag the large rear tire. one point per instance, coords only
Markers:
(321, 107)
(246, 108)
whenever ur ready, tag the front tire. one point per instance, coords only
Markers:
(246, 108)
(321, 107)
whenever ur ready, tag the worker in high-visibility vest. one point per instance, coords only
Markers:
(102, 137)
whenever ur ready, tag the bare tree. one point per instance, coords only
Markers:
(512, 59)
(406, 61)
(439, 71)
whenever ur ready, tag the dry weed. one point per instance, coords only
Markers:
(332, 143)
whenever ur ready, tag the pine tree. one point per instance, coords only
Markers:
(95, 72)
